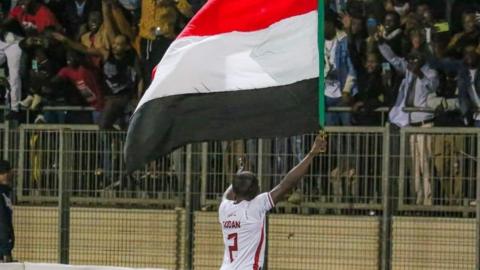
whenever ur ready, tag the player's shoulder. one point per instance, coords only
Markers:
(224, 205)
(263, 198)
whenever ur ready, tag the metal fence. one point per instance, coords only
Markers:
(379, 199)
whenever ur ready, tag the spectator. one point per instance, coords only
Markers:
(412, 24)
(469, 36)
(448, 161)
(122, 76)
(40, 90)
(76, 14)
(52, 49)
(372, 28)
(370, 93)
(420, 81)
(370, 96)
(457, 10)
(401, 7)
(7, 236)
(392, 32)
(123, 81)
(422, 8)
(133, 10)
(158, 30)
(468, 84)
(339, 73)
(354, 27)
(428, 20)
(11, 54)
(337, 6)
(33, 16)
(56, 7)
(103, 27)
(339, 84)
(85, 82)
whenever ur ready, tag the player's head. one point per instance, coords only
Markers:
(245, 185)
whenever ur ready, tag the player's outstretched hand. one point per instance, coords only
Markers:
(320, 145)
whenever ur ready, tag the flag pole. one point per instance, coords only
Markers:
(321, 77)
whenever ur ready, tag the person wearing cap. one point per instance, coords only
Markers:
(7, 237)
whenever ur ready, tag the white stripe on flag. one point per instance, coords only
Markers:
(282, 54)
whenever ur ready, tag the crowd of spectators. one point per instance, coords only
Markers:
(378, 53)
(418, 58)
(403, 54)
(95, 53)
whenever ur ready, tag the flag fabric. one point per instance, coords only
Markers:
(240, 69)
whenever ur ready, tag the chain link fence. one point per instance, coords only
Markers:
(379, 199)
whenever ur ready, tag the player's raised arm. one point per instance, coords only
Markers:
(295, 175)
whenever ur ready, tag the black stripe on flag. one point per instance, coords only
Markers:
(161, 125)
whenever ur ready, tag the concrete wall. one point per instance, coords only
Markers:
(155, 238)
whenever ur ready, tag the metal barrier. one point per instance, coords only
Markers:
(438, 168)
(357, 208)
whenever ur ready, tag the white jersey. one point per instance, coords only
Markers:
(243, 227)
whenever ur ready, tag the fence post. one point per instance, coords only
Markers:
(63, 201)
(6, 139)
(188, 211)
(20, 165)
(477, 251)
(203, 184)
(262, 187)
(260, 164)
(401, 169)
(386, 222)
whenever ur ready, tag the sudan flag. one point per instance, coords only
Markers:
(240, 69)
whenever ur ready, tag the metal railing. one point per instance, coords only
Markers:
(349, 176)
(357, 207)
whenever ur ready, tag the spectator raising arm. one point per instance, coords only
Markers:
(79, 47)
(294, 176)
(114, 22)
(398, 63)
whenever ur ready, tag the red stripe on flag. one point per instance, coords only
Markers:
(257, 253)
(154, 70)
(224, 16)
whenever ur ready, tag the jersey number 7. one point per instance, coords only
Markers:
(233, 247)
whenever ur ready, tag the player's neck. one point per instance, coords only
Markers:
(239, 200)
